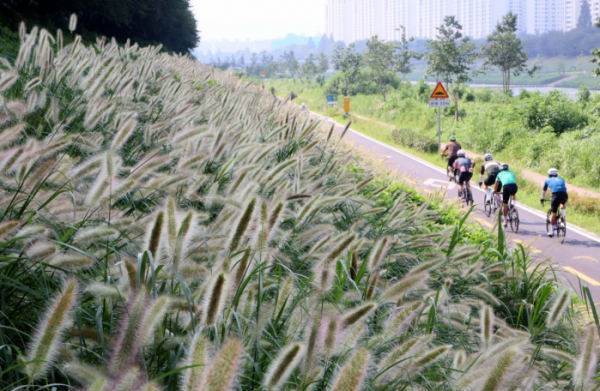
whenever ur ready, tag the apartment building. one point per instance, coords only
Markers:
(351, 20)
(400, 13)
(545, 15)
(572, 11)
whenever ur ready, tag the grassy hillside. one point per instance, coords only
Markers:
(166, 226)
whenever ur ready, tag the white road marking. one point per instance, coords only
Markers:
(439, 184)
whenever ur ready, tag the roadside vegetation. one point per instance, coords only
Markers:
(490, 122)
(166, 226)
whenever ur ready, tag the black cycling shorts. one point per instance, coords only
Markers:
(451, 161)
(507, 191)
(490, 180)
(464, 177)
(558, 198)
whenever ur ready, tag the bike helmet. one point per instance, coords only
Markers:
(553, 172)
(452, 138)
(505, 167)
(462, 153)
(488, 157)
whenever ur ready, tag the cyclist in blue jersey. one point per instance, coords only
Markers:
(506, 181)
(558, 187)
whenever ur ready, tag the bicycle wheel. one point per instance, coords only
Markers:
(514, 219)
(487, 205)
(469, 196)
(450, 174)
(549, 221)
(562, 226)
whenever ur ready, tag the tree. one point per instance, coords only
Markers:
(169, 22)
(505, 51)
(242, 62)
(350, 67)
(309, 69)
(311, 44)
(337, 56)
(323, 62)
(404, 55)
(289, 62)
(451, 57)
(585, 16)
(379, 57)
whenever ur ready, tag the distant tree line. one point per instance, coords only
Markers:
(169, 22)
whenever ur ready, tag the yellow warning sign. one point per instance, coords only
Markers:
(439, 92)
(347, 105)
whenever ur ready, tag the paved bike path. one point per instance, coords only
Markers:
(577, 258)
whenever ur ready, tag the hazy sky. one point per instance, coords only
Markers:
(258, 19)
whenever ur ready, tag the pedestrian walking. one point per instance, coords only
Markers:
(272, 90)
(293, 96)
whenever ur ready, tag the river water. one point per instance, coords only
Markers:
(516, 90)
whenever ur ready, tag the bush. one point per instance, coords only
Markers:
(554, 109)
(409, 138)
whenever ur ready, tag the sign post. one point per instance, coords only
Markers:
(331, 100)
(439, 93)
(347, 105)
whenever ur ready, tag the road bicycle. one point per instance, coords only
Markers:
(452, 175)
(492, 204)
(560, 220)
(512, 215)
(467, 195)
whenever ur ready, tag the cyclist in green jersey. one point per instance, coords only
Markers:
(506, 182)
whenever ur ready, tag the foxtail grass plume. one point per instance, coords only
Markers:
(356, 314)
(486, 315)
(500, 371)
(403, 286)
(196, 358)
(44, 344)
(334, 255)
(154, 314)
(154, 239)
(224, 367)
(585, 368)
(242, 266)
(242, 226)
(311, 344)
(354, 265)
(73, 22)
(372, 286)
(559, 305)
(127, 344)
(215, 299)
(377, 253)
(282, 366)
(351, 377)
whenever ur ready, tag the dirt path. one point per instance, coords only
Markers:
(571, 77)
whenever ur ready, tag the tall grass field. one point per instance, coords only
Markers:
(167, 226)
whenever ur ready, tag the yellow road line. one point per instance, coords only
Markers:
(484, 222)
(581, 275)
(533, 249)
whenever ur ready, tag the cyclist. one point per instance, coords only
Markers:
(558, 187)
(492, 168)
(506, 181)
(452, 148)
(464, 166)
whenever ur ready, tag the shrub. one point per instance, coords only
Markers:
(409, 138)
